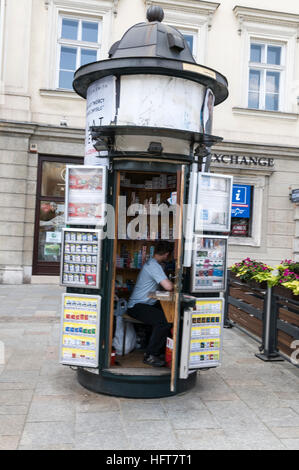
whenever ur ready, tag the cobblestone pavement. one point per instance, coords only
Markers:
(244, 404)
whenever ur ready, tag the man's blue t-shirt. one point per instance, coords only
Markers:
(148, 280)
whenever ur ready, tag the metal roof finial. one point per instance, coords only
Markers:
(155, 13)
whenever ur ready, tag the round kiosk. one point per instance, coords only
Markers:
(149, 123)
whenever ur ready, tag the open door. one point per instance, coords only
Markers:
(178, 279)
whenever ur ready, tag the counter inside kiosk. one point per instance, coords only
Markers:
(145, 179)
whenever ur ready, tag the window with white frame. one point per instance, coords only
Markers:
(79, 43)
(190, 38)
(266, 75)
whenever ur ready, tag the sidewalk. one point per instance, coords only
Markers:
(244, 404)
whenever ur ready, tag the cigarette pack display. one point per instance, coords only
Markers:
(81, 258)
(85, 195)
(80, 324)
(202, 335)
(214, 200)
(208, 272)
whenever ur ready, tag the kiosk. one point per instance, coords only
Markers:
(148, 139)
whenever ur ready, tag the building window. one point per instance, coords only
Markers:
(191, 41)
(266, 68)
(79, 43)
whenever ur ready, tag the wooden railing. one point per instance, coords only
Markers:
(270, 316)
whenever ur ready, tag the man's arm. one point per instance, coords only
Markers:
(167, 285)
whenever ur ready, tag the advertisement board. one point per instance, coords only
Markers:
(100, 111)
(209, 257)
(80, 325)
(213, 208)
(81, 258)
(202, 335)
(85, 196)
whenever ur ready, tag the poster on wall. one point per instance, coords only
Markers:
(81, 258)
(202, 335)
(85, 195)
(214, 199)
(207, 112)
(208, 272)
(100, 111)
(80, 327)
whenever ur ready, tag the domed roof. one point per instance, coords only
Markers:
(152, 39)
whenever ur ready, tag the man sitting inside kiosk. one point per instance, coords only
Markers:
(148, 310)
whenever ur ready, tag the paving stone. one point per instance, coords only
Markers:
(97, 422)
(140, 411)
(260, 399)
(9, 442)
(156, 435)
(189, 401)
(291, 444)
(192, 419)
(51, 409)
(102, 441)
(19, 376)
(97, 403)
(13, 410)
(278, 417)
(286, 432)
(47, 434)
(11, 425)
(15, 397)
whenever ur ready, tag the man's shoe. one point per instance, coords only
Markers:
(160, 356)
(153, 361)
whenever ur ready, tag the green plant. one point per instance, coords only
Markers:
(248, 269)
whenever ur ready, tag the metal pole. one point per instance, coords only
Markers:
(227, 323)
(269, 329)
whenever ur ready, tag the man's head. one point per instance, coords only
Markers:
(163, 250)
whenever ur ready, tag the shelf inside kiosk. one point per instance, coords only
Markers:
(134, 246)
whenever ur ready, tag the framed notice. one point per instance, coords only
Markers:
(214, 200)
(81, 258)
(209, 259)
(85, 195)
(80, 330)
(202, 335)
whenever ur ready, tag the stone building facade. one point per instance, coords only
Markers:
(42, 42)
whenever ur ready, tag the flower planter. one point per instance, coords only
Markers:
(252, 284)
(285, 292)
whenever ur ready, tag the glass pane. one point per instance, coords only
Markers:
(272, 101)
(272, 84)
(256, 53)
(90, 31)
(53, 179)
(66, 80)
(69, 29)
(254, 80)
(189, 39)
(88, 56)
(68, 58)
(253, 100)
(50, 224)
(274, 55)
